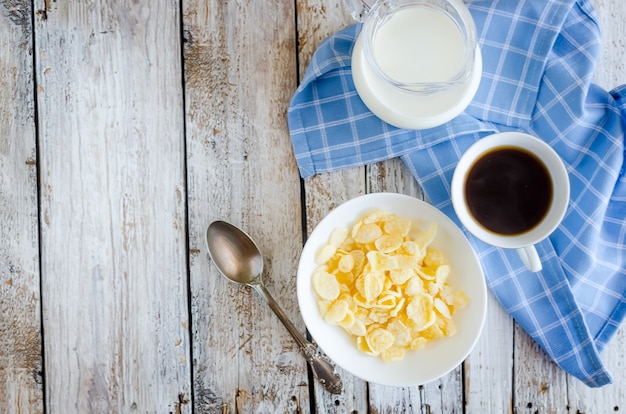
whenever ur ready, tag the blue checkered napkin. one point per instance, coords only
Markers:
(538, 61)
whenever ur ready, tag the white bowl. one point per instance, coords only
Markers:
(438, 357)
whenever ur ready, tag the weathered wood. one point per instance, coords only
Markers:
(240, 71)
(316, 21)
(610, 398)
(113, 236)
(323, 193)
(489, 368)
(444, 395)
(611, 68)
(124, 165)
(540, 386)
(21, 388)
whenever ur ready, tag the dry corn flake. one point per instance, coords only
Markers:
(383, 283)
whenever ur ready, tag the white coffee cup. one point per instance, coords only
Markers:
(501, 200)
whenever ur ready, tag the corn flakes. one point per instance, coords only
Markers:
(383, 283)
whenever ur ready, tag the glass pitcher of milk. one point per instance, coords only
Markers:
(416, 63)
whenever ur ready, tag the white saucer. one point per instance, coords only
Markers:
(404, 109)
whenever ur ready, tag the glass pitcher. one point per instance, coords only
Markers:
(416, 63)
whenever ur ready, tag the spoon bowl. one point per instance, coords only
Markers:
(234, 253)
(239, 259)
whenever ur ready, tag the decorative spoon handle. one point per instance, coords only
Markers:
(322, 369)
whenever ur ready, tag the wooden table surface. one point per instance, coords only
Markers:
(126, 127)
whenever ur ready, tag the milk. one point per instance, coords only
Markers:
(419, 44)
(416, 44)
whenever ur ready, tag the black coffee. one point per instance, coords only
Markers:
(508, 190)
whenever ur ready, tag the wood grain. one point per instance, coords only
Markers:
(113, 236)
(446, 393)
(489, 369)
(126, 127)
(240, 69)
(316, 21)
(21, 376)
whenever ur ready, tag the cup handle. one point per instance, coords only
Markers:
(529, 256)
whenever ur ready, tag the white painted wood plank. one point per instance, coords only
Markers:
(240, 72)
(392, 176)
(316, 21)
(489, 368)
(114, 272)
(611, 69)
(444, 395)
(115, 330)
(323, 193)
(610, 398)
(21, 388)
(539, 384)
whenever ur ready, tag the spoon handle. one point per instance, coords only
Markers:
(322, 369)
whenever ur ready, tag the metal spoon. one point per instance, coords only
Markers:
(239, 259)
